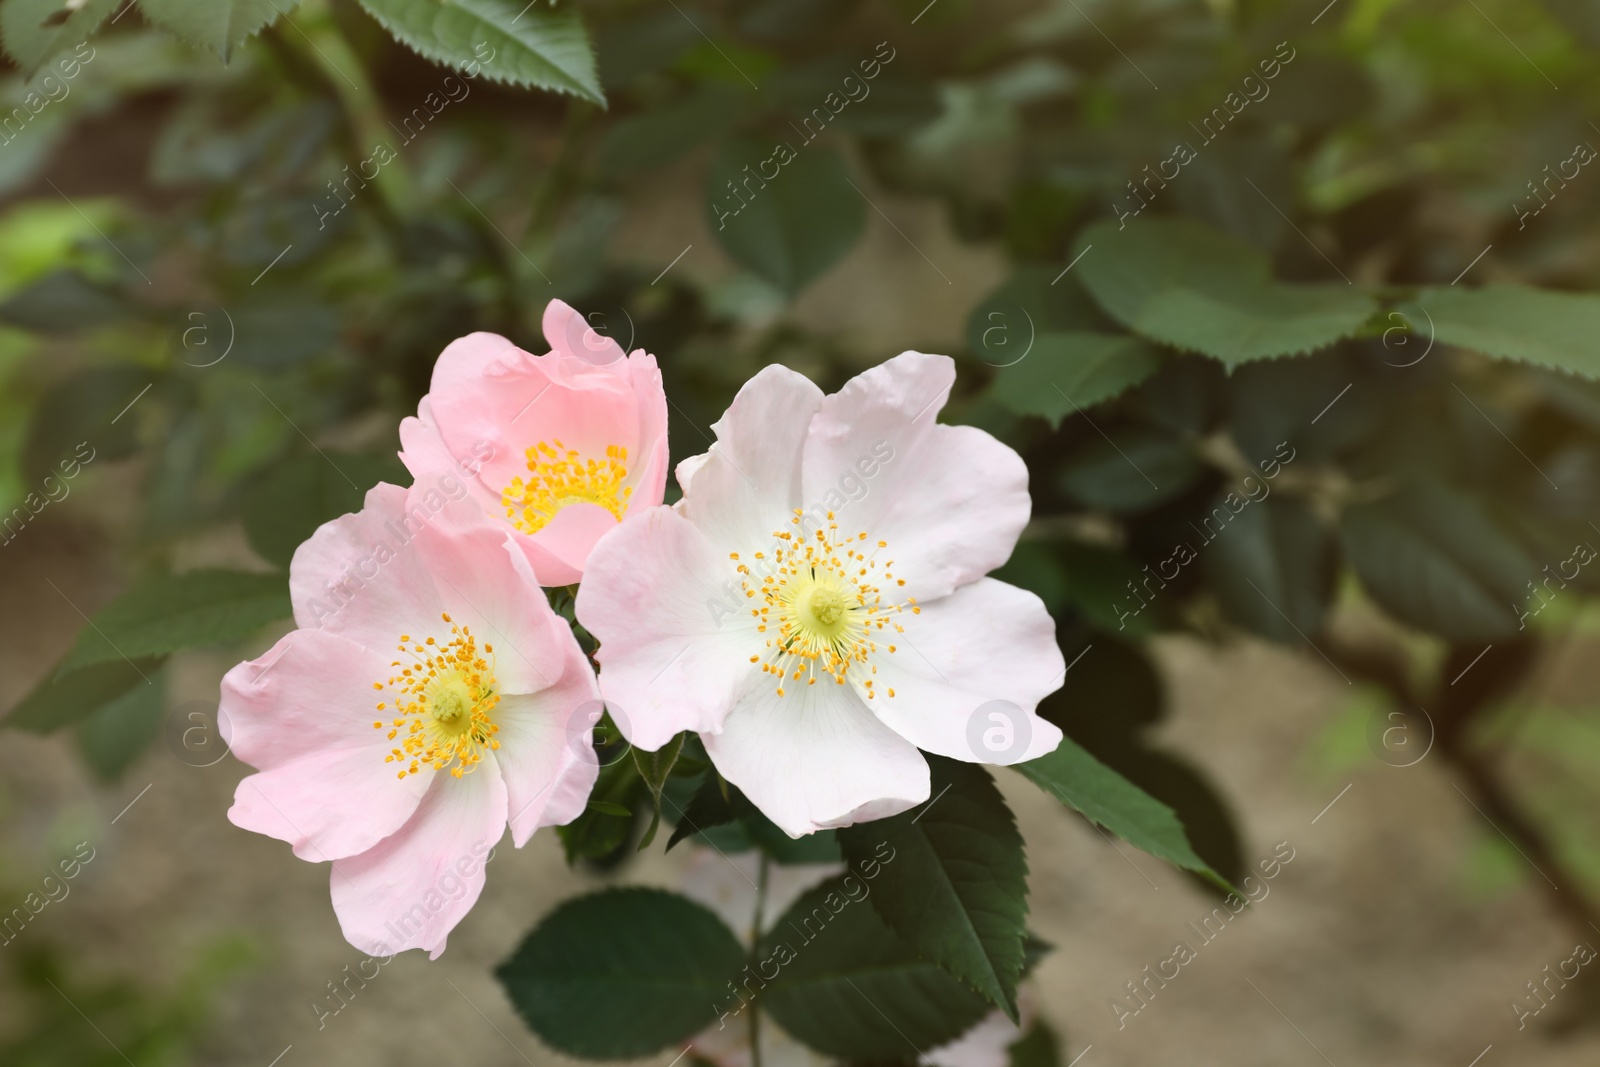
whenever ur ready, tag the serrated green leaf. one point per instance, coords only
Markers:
(848, 987)
(505, 40)
(67, 697)
(622, 973)
(170, 612)
(1184, 284)
(36, 31)
(957, 889)
(1068, 371)
(1107, 799)
(220, 25)
(1437, 559)
(1551, 329)
(788, 221)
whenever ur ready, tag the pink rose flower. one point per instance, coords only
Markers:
(429, 698)
(560, 446)
(816, 607)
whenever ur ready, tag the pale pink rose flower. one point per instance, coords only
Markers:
(816, 605)
(559, 447)
(429, 697)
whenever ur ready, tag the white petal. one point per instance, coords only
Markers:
(968, 673)
(748, 485)
(675, 631)
(816, 757)
(949, 500)
(413, 888)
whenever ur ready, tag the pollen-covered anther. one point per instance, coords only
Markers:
(442, 704)
(818, 594)
(558, 476)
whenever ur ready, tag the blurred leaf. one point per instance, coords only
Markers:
(279, 329)
(36, 31)
(708, 808)
(1068, 371)
(66, 697)
(1131, 469)
(1097, 583)
(1035, 300)
(1551, 329)
(286, 508)
(169, 612)
(113, 736)
(1108, 799)
(85, 411)
(790, 227)
(848, 987)
(1272, 566)
(523, 44)
(1039, 1047)
(622, 973)
(1435, 558)
(957, 889)
(601, 830)
(1183, 284)
(220, 25)
(1581, 17)
(63, 301)
(658, 136)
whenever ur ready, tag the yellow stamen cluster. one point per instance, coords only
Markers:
(558, 476)
(818, 600)
(441, 708)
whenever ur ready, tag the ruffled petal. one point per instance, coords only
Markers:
(748, 485)
(302, 715)
(949, 500)
(816, 757)
(412, 889)
(967, 674)
(676, 636)
(546, 756)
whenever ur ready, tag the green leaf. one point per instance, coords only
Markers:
(1039, 1047)
(82, 420)
(622, 973)
(116, 734)
(1109, 800)
(848, 987)
(1271, 565)
(656, 137)
(786, 221)
(506, 40)
(1437, 559)
(297, 496)
(36, 31)
(598, 833)
(957, 889)
(1068, 371)
(170, 612)
(63, 301)
(654, 768)
(1184, 284)
(220, 25)
(66, 697)
(711, 805)
(1131, 469)
(1551, 329)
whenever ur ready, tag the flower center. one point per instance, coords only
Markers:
(443, 697)
(558, 476)
(818, 596)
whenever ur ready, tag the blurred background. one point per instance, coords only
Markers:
(1169, 242)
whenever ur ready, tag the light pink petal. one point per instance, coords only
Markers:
(423, 451)
(968, 673)
(560, 550)
(676, 636)
(949, 500)
(413, 888)
(302, 715)
(545, 754)
(565, 330)
(749, 483)
(816, 757)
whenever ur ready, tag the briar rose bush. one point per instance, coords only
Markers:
(780, 661)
